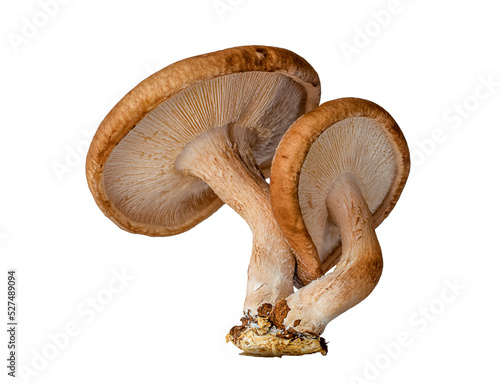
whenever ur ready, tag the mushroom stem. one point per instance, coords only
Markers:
(358, 270)
(293, 326)
(222, 157)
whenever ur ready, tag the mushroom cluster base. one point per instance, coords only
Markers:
(265, 335)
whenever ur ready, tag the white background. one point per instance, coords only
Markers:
(424, 64)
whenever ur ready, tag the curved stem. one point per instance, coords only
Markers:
(357, 272)
(222, 157)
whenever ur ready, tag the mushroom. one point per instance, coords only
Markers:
(337, 173)
(341, 135)
(200, 133)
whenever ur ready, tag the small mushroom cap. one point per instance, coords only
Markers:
(130, 163)
(344, 135)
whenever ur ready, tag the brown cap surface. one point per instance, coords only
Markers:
(346, 135)
(130, 164)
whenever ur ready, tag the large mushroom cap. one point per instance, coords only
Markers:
(130, 164)
(341, 136)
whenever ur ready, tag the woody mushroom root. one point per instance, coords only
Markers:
(204, 131)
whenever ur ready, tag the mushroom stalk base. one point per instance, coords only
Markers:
(266, 336)
(265, 342)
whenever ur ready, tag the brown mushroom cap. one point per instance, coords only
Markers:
(341, 136)
(130, 163)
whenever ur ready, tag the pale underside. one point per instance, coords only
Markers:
(139, 176)
(355, 145)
